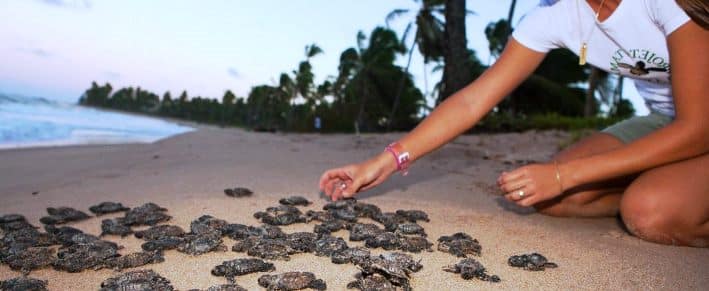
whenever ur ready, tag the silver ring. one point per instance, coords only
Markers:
(520, 193)
(343, 185)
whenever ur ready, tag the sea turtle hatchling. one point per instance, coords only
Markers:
(82, 256)
(326, 245)
(146, 214)
(198, 244)
(364, 231)
(531, 262)
(414, 244)
(31, 258)
(140, 280)
(354, 255)
(302, 241)
(62, 215)
(371, 282)
(291, 281)
(207, 223)
(135, 260)
(160, 231)
(459, 244)
(114, 227)
(295, 201)
(281, 215)
(386, 240)
(107, 207)
(396, 267)
(23, 284)
(469, 268)
(239, 267)
(265, 248)
(408, 228)
(12, 222)
(238, 192)
(163, 243)
(413, 215)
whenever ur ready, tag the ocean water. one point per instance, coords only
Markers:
(35, 122)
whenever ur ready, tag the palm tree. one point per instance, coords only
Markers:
(457, 72)
(368, 78)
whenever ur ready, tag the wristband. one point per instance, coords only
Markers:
(402, 158)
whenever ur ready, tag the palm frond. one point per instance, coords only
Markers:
(394, 14)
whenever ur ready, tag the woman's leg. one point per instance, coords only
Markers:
(670, 204)
(591, 200)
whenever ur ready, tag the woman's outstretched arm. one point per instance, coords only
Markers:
(686, 137)
(451, 118)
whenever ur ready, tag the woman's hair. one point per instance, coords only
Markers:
(698, 10)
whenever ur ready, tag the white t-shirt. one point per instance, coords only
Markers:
(638, 27)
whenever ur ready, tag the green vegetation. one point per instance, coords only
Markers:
(371, 93)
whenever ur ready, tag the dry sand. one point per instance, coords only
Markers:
(455, 185)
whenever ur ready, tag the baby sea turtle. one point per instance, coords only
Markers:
(350, 255)
(459, 244)
(385, 240)
(414, 244)
(114, 227)
(280, 215)
(236, 231)
(266, 248)
(91, 255)
(198, 244)
(389, 219)
(469, 268)
(238, 192)
(146, 214)
(394, 266)
(207, 223)
(531, 262)
(107, 207)
(413, 215)
(141, 280)
(238, 267)
(367, 210)
(62, 215)
(63, 235)
(364, 231)
(163, 243)
(160, 231)
(135, 260)
(322, 216)
(291, 281)
(295, 201)
(371, 282)
(31, 258)
(302, 241)
(331, 226)
(408, 228)
(12, 222)
(326, 245)
(23, 284)
(224, 287)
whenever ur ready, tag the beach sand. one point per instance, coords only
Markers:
(455, 185)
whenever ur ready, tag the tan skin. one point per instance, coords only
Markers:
(657, 183)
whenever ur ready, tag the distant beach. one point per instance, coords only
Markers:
(40, 122)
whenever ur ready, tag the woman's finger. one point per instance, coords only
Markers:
(507, 177)
(518, 195)
(514, 185)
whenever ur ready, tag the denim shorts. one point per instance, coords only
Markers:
(636, 127)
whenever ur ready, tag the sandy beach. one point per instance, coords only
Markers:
(455, 185)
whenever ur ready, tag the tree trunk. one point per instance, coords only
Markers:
(588, 109)
(456, 73)
(400, 89)
(509, 17)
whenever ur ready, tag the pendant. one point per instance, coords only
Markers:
(582, 54)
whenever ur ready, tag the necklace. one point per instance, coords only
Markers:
(584, 41)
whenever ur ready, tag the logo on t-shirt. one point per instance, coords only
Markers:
(641, 63)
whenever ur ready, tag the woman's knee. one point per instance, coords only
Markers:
(650, 216)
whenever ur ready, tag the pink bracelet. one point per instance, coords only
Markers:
(402, 158)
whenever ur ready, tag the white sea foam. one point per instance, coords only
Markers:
(33, 122)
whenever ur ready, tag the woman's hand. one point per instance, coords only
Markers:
(531, 184)
(346, 181)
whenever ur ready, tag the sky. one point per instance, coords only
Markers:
(56, 48)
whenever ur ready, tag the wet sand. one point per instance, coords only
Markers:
(455, 185)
